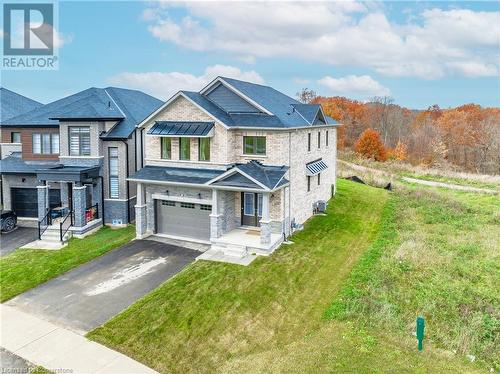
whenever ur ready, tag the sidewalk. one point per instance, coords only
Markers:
(58, 349)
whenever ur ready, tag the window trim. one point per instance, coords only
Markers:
(43, 151)
(12, 137)
(113, 176)
(162, 154)
(189, 148)
(199, 149)
(80, 136)
(254, 145)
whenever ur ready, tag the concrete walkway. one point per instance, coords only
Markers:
(58, 349)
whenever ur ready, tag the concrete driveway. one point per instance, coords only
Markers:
(86, 297)
(17, 238)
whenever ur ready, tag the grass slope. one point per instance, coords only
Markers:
(27, 268)
(213, 312)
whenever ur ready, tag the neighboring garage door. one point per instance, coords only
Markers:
(25, 201)
(183, 219)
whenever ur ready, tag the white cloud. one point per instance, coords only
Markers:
(355, 85)
(430, 45)
(164, 84)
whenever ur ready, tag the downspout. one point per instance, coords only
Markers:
(142, 147)
(128, 183)
(135, 150)
(102, 198)
(290, 176)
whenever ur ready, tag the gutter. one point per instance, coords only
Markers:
(102, 198)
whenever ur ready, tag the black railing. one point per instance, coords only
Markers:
(64, 225)
(44, 223)
(92, 213)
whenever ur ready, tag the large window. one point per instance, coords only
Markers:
(79, 141)
(254, 145)
(15, 137)
(184, 148)
(166, 148)
(45, 144)
(114, 187)
(204, 149)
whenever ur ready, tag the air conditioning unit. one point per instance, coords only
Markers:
(319, 206)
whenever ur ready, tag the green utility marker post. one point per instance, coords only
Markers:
(420, 332)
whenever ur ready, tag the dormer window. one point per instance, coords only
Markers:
(254, 145)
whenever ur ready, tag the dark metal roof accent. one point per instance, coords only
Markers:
(182, 128)
(316, 167)
(63, 173)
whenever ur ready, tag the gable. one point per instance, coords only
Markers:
(236, 180)
(320, 119)
(230, 101)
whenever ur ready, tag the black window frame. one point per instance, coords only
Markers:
(308, 183)
(188, 205)
(326, 138)
(254, 146)
(81, 135)
(12, 136)
(319, 139)
(319, 179)
(308, 142)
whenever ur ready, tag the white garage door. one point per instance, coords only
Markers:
(183, 219)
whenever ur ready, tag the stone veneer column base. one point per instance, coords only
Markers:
(215, 226)
(140, 221)
(265, 232)
(80, 205)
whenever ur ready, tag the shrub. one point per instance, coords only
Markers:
(369, 145)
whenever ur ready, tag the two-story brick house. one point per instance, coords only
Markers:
(236, 165)
(90, 140)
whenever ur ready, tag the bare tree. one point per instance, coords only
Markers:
(306, 95)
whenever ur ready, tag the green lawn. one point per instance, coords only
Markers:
(282, 313)
(24, 269)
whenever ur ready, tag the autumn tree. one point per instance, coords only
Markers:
(370, 145)
(400, 152)
(306, 95)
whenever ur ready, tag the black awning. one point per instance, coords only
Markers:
(68, 173)
(180, 129)
(316, 167)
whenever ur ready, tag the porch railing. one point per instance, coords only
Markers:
(92, 213)
(44, 223)
(64, 225)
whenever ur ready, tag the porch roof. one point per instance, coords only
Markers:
(63, 173)
(182, 128)
(176, 175)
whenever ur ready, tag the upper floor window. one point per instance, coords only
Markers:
(184, 148)
(319, 139)
(15, 137)
(79, 141)
(326, 138)
(45, 144)
(204, 149)
(114, 186)
(254, 145)
(309, 142)
(166, 148)
(308, 183)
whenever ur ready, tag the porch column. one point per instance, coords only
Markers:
(43, 199)
(215, 217)
(140, 213)
(79, 204)
(265, 222)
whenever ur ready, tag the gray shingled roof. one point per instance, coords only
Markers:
(268, 175)
(175, 174)
(14, 164)
(128, 107)
(13, 104)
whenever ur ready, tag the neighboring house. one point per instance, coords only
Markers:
(237, 165)
(76, 155)
(12, 104)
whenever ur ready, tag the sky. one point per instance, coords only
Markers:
(419, 53)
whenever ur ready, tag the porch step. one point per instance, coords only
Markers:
(233, 250)
(52, 234)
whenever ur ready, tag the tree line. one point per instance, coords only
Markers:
(466, 137)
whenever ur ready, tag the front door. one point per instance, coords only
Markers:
(251, 208)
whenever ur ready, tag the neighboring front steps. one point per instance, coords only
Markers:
(53, 234)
